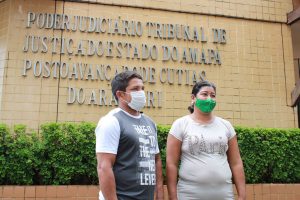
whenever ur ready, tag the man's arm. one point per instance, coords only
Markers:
(106, 176)
(159, 189)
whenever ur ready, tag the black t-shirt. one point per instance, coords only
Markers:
(134, 168)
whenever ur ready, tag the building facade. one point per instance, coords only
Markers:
(57, 58)
(294, 22)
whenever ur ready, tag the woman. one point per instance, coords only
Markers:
(208, 150)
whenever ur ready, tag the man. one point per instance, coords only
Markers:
(129, 164)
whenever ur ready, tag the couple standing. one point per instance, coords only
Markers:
(129, 164)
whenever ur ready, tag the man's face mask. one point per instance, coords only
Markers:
(138, 100)
(205, 105)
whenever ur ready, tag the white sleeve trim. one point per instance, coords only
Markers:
(107, 135)
(177, 128)
(175, 136)
(229, 127)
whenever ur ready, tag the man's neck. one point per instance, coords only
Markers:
(129, 110)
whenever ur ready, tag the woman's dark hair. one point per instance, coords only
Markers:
(121, 80)
(197, 87)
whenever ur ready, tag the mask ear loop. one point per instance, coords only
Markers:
(192, 103)
(125, 100)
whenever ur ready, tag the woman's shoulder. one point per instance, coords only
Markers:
(224, 123)
(222, 120)
(184, 119)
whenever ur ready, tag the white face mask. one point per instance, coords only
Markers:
(138, 100)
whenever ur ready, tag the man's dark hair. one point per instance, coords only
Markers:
(197, 87)
(121, 80)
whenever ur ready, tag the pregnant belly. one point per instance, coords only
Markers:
(192, 191)
(205, 172)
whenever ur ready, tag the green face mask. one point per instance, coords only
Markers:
(206, 105)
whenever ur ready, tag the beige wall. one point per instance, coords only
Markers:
(4, 16)
(254, 81)
(254, 9)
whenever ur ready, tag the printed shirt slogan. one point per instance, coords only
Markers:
(146, 155)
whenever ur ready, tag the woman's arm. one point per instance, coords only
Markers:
(173, 156)
(236, 165)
